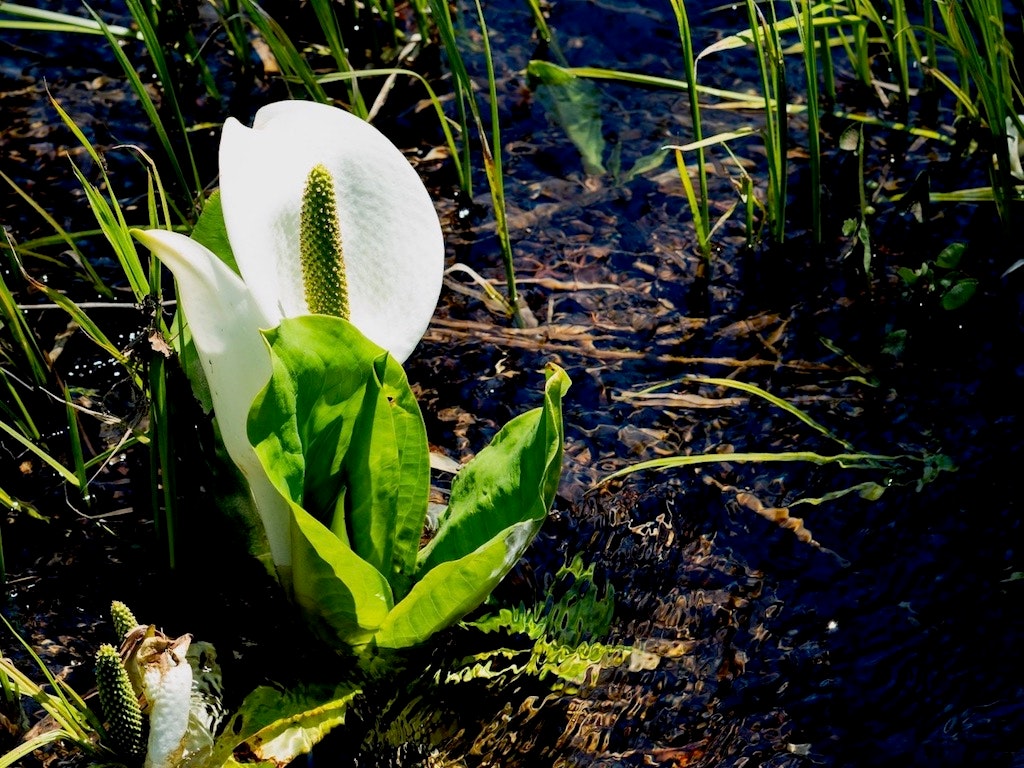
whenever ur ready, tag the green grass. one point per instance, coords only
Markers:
(911, 73)
(72, 459)
(698, 204)
(884, 469)
(73, 721)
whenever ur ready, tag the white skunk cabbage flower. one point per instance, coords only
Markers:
(166, 682)
(324, 216)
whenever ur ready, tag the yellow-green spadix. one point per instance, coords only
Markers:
(389, 248)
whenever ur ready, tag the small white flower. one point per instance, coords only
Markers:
(167, 684)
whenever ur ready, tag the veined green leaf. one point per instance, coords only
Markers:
(278, 726)
(497, 506)
(512, 480)
(343, 596)
(340, 435)
(413, 475)
(453, 588)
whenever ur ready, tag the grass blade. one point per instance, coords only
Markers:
(64, 706)
(23, 336)
(443, 120)
(845, 460)
(146, 101)
(292, 63)
(87, 268)
(807, 37)
(46, 458)
(778, 402)
(702, 211)
(74, 437)
(332, 34)
(56, 22)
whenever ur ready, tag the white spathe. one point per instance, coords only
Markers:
(393, 253)
(390, 234)
(167, 683)
(225, 325)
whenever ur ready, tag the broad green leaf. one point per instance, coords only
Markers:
(497, 506)
(451, 589)
(343, 596)
(278, 726)
(339, 433)
(960, 293)
(950, 256)
(365, 512)
(413, 496)
(387, 467)
(512, 480)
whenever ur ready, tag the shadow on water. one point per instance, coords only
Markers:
(887, 635)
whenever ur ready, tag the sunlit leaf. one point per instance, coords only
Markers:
(498, 503)
(340, 434)
(279, 725)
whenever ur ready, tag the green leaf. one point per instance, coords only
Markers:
(343, 596)
(452, 589)
(341, 437)
(950, 256)
(413, 474)
(277, 726)
(512, 480)
(909, 276)
(646, 164)
(498, 503)
(211, 231)
(575, 104)
(959, 294)
(387, 467)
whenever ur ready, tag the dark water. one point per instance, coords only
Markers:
(891, 640)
